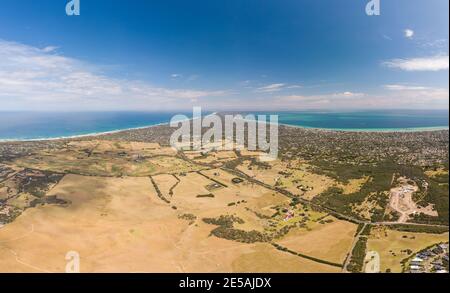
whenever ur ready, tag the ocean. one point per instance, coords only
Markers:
(389, 120)
(32, 125)
(50, 125)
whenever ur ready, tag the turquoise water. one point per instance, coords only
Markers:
(399, 120)
(30, 125)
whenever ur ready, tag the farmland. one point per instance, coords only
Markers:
(161, 210)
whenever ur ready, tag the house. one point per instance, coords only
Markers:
(444, 246)
(237, 180)
(438, 250)
(415, 269)
(289, 215)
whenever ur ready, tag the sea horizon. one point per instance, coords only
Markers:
(35, 126)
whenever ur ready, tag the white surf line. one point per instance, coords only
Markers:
(95, 134)
(357, 130)
(92, 134)
(21, 237)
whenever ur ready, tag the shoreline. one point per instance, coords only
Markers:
(374, 130)
(82, 135)
(338, 130)
(93, 134)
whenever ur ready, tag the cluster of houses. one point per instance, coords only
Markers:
(4, 214)
(431, 260)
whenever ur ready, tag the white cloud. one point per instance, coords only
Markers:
(49, 49)
(349, 95)
(41, 79)
(321, 99)
(33, 78)
(435, 63)
(275, 87)
(295, 86)
(440, 44)
(401, 87)
(409, 33)
(176, 75)
(397, 97)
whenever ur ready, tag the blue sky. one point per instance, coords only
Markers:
(223, 54)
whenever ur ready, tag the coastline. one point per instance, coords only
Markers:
(373, 130)
(92, 134)
(337, 130)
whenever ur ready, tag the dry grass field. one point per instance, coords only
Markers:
(329, 241)
(264, 258)
(139, 207)
(353, 185)
(295, 177)
(436, 173)
(393, 245)
(166, 183)
(141, 232)
(124, 215)
(216, 158)
(108, 158)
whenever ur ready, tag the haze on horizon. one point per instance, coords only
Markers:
(223, 55)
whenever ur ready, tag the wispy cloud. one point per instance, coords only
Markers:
(439, 44)
(397, 97)
(427, 96)
(35, 78)
(276, 87)
(176, 75)
(434, 63)
(309, 101)
(49, 49)
(401, 87)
